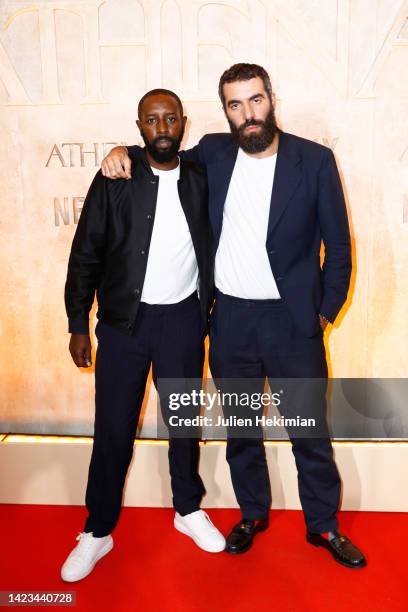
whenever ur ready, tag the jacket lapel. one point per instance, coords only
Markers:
(219, 176)
(288, 173)
(186, 201)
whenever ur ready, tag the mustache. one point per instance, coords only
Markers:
(251, 122)
(168, 139)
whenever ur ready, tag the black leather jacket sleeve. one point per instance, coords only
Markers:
(86, 258)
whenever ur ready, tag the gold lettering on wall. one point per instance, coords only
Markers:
(79, 154)
(67, 210)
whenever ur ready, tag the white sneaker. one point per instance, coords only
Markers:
(198, 526)
(82, 559)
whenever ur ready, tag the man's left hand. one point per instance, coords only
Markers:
(323, 322)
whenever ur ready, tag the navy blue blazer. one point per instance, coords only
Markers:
(307, 208)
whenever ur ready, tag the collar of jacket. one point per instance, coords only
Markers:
(144, 164)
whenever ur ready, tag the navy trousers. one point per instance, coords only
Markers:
(171, 338)
(257, 339)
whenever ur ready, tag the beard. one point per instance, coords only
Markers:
(162, 156)
(255, 143)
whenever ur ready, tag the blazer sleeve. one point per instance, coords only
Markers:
(336, 270)
(87, 257)
(135, 152)
(193, 154)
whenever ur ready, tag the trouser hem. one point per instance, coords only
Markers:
(184, 510)
(252, 515)
(331, 525)
(97, 532)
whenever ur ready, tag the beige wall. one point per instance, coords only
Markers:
(51, 470)
(71, 73)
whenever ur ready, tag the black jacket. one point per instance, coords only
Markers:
(111, 244)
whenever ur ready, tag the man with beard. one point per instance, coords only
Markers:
(144, 247)
(274, 198)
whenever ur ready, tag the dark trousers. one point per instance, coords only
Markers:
(171, 338)
(257, 339)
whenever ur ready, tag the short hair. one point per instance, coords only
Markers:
(244, 72)
(156, 92)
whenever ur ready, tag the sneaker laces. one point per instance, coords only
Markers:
(85, 540)
(211, 524)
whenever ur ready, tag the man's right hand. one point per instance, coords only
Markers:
(117, 164)
(80, 349)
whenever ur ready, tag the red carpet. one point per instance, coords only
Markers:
(153, 567)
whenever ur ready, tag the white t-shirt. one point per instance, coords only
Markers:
(242, 267)
(172, 271)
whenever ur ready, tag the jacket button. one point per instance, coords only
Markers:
(279, 278)
(136, 291)
(143, 252)
(272, 252)
(148, 216)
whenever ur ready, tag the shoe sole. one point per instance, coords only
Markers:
(344, 563)
(104, 551)
(187, 532)
(244, 550)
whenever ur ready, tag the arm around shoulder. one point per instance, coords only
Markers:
(117, 164)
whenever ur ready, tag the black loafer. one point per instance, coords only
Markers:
(342, 549)
(242, 535)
